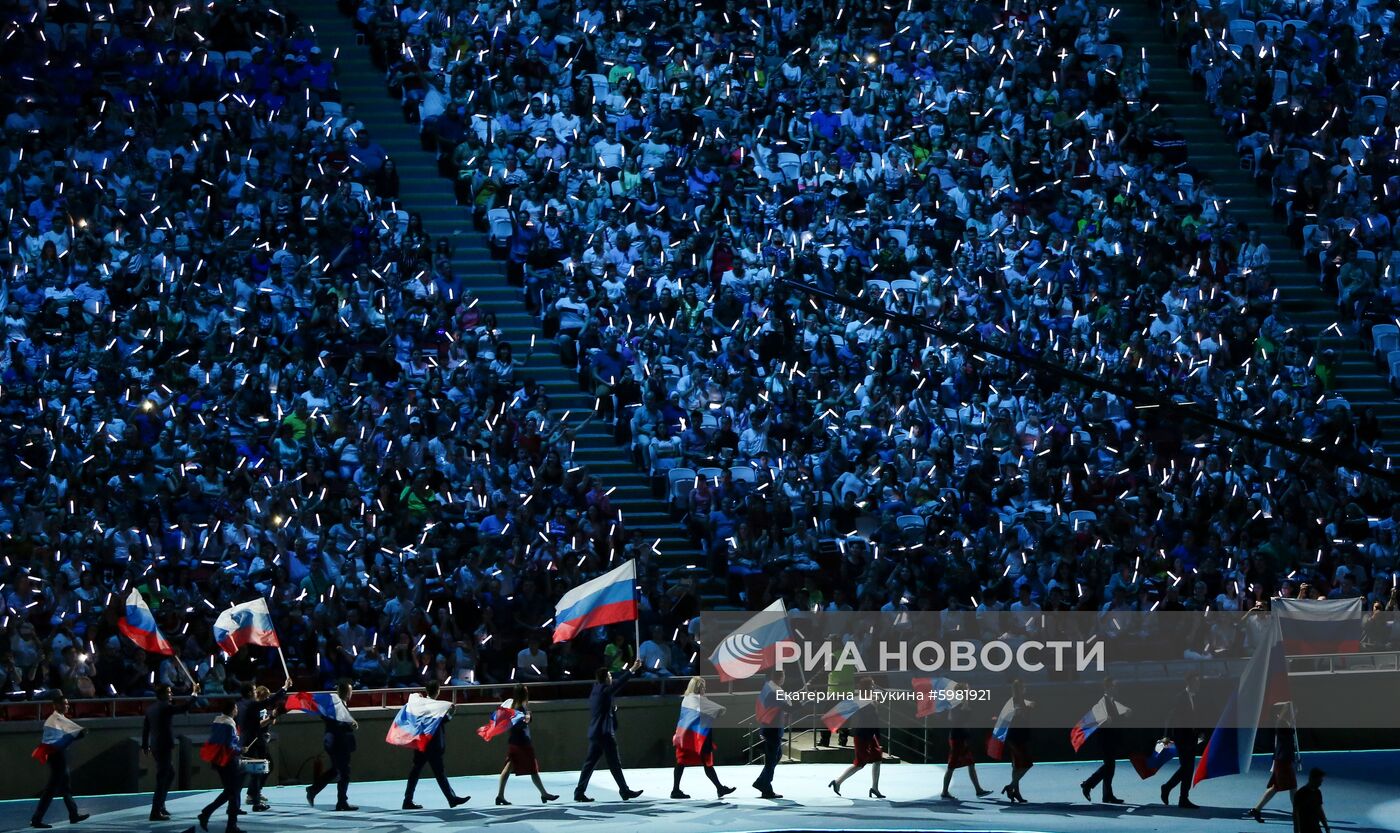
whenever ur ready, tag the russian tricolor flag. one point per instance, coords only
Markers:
(249, 623)
(996, 741)
(417, 722)
(1093, 719)
(767, 710)
(1147, 765)
(930, 702)
(59, 733)
(609, 598)
(753, 647)
(842, 712)
(222, 746)
(138, 624)
(1265, 681)
(1321, 626)
(327, 704)
(698, 714)
(504, 717)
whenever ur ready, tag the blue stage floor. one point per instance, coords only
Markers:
(1362, 794)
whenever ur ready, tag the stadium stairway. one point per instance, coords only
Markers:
(1213, 152)
(423, 190)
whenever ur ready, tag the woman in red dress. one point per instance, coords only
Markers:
(867, 737)
(520, 753)
(1284, 774)
(697, 714)
(959, 754)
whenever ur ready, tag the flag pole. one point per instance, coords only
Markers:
(286, 675)
(637, 622)
(181, 663)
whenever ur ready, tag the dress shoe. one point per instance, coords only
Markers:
(723, 790)
(1113, 799)
(160, 815)
(203, 821)
(1166, 795)
(79, 817)
(345, 808)
(583, 799)
(458, 800)
(548, 797)
(628, 795)
(39, 825)
(1187, 804)
(261, 807)
(678, 795)
(409, 805)
(1084, 788)
(311, 796)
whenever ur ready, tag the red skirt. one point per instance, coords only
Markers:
(689, 757)
(1283, 776)
(1020, 756)
(959, 754)
(868, 751)
(522, 759)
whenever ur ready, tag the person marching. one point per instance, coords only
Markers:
(158, 741)
(1018, 742)
(694, 744)
(960, 752)
(339, 742)
(602, 732)
(1106, 737)
(1308, 816)
(256, 714)
(520, 749)
(59, 734)
(1284, 774)
(867, 737)
(432, 756)
(224, 752)
(1183, 729)
(771, 717)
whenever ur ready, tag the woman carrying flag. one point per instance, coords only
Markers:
(1284, 775)
(1015, 739)
(224, 752)
(694, 746)
(59, 734)
(959, 751)
(867, 735)
(520, 749)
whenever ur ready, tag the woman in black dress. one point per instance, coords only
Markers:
(1284, 774)
(867, 736)
(1018, 743)
(520, 749)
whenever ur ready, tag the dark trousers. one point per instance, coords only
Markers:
(165, 776)
(429, 759)
(58, 785)
(256, 782)
(1183, 773)
(231, 776)
(1103, 774)
(597, 749)
(772, 753)
(339, 773)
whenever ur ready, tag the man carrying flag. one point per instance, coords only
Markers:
(339, 740)
(1094, 724)
(771, 717)
(224, 752)
(422, 724)
(158, 741)
(59, 734)
(257, 711)
(605, 600)
(1183, 730)
(602, 732)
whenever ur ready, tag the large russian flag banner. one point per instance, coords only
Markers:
(1323, 626)
(249, 623)
(1264, 682)
(609, 598)
(753, 647)
(325, 704)
(1092, 720)
(417, 722)
(138, 624)
(697, 717)
(59, 733)
(930, 701)
(767, 710)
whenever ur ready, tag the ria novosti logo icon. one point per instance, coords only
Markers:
(753, 646)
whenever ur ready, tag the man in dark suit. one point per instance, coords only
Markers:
(1106, 738)
(771, 719)
(59, 783)
(602, 731)
(432, 756)
(255, 715)
(339, 743)
(1183, 727)
(158, 741)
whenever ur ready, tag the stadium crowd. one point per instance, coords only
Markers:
(235, 367)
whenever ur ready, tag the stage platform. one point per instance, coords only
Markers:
(1362, 795)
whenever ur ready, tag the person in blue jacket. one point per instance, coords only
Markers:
(602, 732)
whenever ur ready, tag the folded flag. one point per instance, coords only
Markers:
(417, 722)
(767, 708)
(223, 746)
(996, 741)
(1147, 765)
(326, 703)
(697, 717)
(504, 717)
(138, 624)
(59, 733)
(249, 623)
(609, 598)
(842, 712)
(1264, 681)
(1100, 714)
(1320, 626)
(933, 695)
(753, 647)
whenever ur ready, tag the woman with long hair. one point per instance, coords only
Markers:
(1284, 774)
(520, 749)
(688, 753)
(867, 735)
